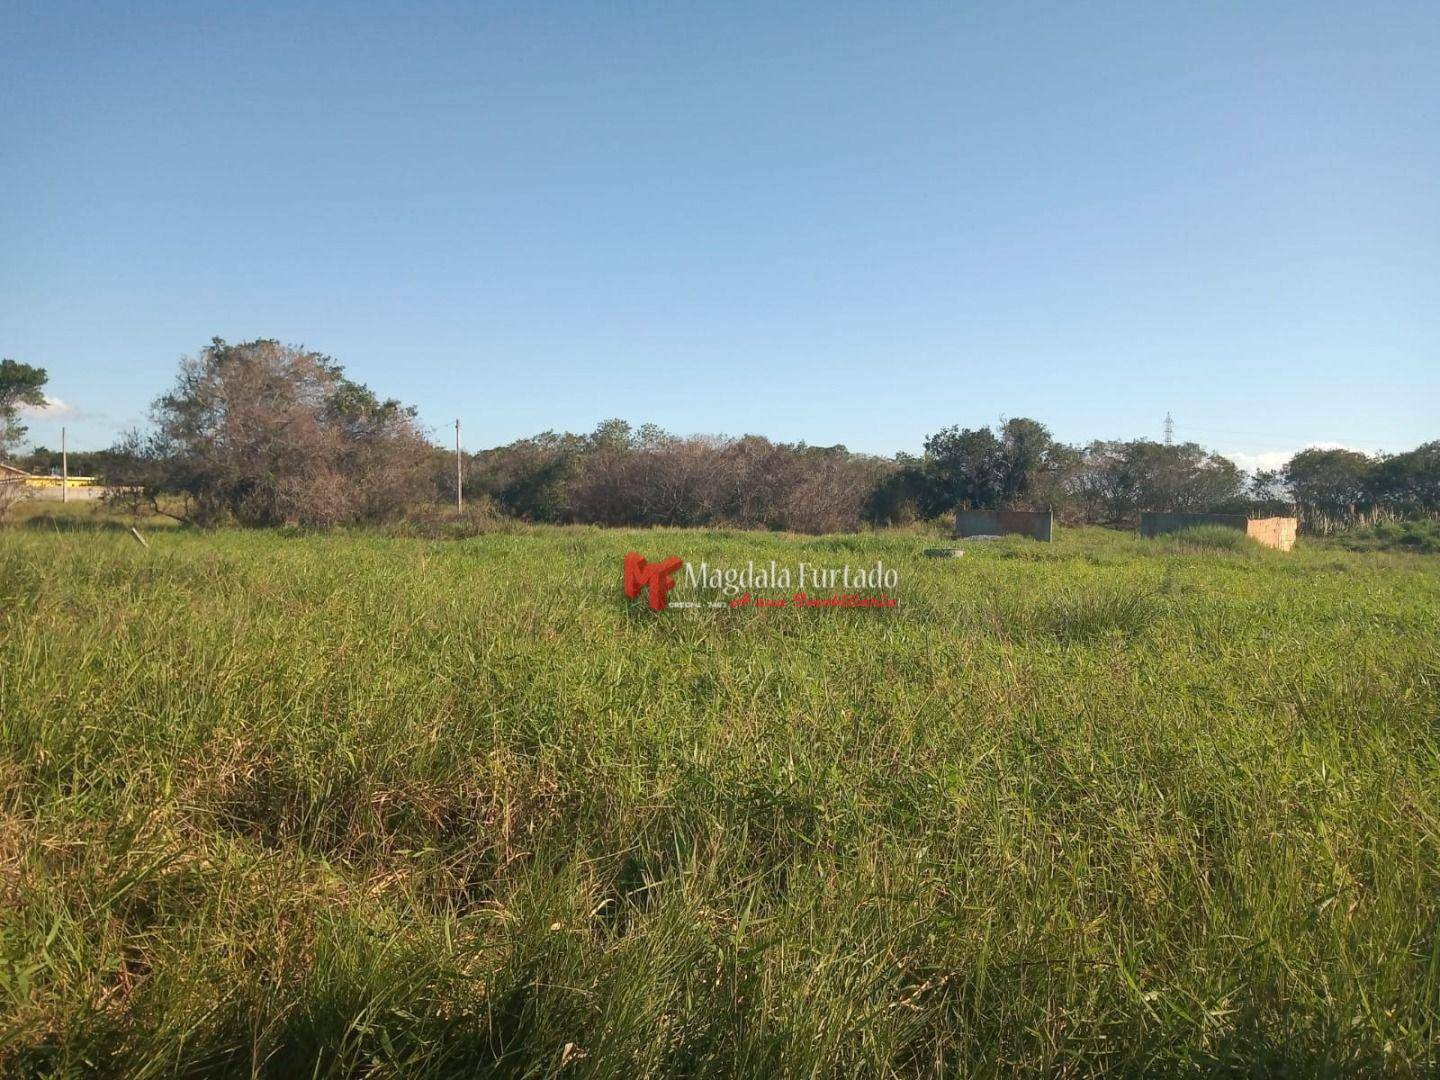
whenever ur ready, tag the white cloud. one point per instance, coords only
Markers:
(1273, 459)
(53, 409)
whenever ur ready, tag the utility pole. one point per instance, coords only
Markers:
(459, 497)
(64, 470)
(1169, 430)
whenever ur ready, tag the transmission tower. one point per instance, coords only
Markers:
(1169, 430)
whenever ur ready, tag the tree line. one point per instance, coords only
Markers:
(262, 433)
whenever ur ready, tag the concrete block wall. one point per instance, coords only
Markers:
(1154, 522)
(74, 494)
(1276, 532)
(1038, 524)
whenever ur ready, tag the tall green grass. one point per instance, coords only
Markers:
(1211, 538)
(1415, 536)
(351, 804)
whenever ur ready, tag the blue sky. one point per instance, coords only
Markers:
(838, 222)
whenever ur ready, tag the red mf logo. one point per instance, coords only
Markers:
(657, 577)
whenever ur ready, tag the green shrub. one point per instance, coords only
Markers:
(1417, 536)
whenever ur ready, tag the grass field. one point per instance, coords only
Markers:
(315, 805)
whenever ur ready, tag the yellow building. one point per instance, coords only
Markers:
(9, 474)
(56, 482)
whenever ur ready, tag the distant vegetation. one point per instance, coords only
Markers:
(621, 476)
(263, 433)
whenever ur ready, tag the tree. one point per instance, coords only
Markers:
(1118, 479)
(1025, 451)
(967, 468)
(1409, 484)
(529, 478)
(978, 467)
(613, 435)
(20, 385)
(619, 475)
(268, 434)
(901, 494)
(1331, 486)
(1268, 494)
